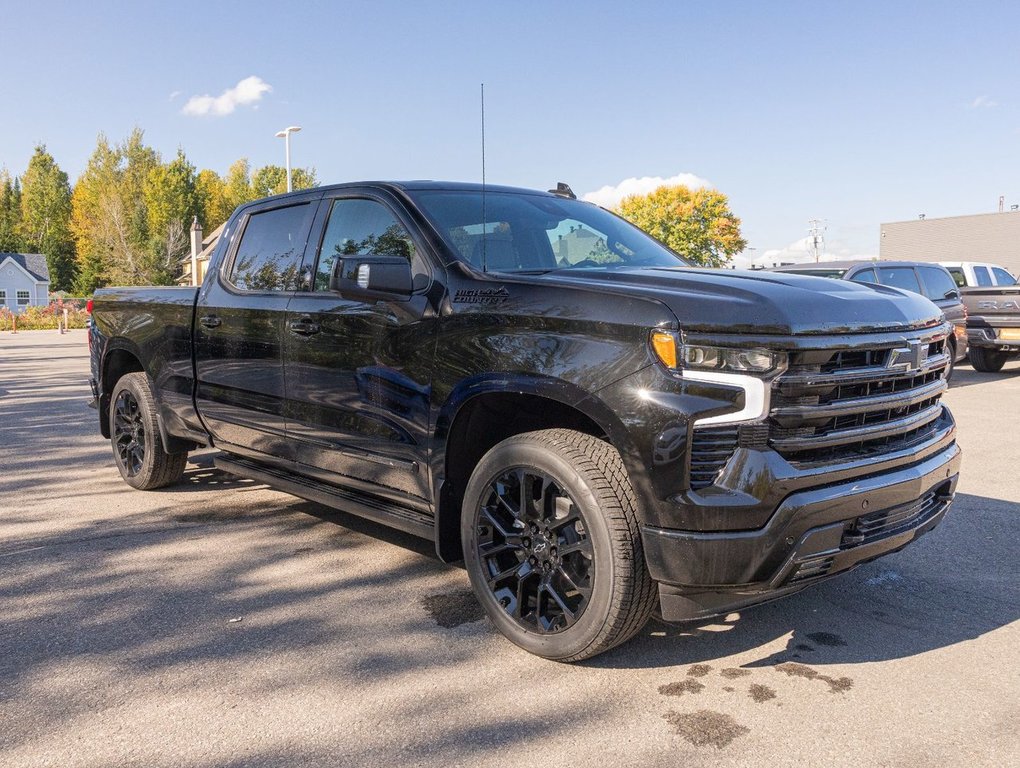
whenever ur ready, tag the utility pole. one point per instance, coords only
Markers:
(817, 232)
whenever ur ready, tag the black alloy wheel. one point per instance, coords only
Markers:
(129, 433)
(534, 549)
(135, 436)
(552, 544)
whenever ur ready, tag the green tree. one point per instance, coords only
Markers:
(212, 199)
(46, 217)
(171, 203)
(696, 223)
(10, 212)
(237, 184)
(272, 180)
(109, 216)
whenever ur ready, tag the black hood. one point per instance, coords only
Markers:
(753, 302)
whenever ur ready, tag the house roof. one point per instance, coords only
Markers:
(33, 263)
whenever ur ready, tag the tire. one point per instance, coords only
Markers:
(560, 569)
(952, 361)
(987, 360)
(134, 434)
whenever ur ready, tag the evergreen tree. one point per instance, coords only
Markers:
(45, 225)
(10, 212)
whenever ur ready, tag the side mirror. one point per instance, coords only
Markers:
(953, 294)
(372, 277)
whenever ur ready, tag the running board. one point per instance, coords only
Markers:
(343, 499)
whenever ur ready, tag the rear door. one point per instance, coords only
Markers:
(359, 368)
(239, 327)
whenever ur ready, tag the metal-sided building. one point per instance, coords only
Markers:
(990, 237)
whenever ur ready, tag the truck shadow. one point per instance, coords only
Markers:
(957, 583)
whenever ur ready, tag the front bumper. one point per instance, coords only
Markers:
(813, 534)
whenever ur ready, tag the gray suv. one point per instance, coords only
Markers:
(932, 281)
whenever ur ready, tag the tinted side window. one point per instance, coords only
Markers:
(865, 276)
(268, 257)
(358, 227)
(1002, 277)
(982, 275)
(958, 277)
(900, 277)
(937, 282)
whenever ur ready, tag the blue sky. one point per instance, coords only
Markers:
(856, 113)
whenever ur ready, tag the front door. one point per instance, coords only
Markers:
(239, 326)
(359, 369)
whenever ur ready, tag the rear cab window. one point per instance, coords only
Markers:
(268, 257)
(983, 276)
(1002, 277)
(938, 284)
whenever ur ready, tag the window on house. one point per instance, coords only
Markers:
(3, 297)
(23, 298)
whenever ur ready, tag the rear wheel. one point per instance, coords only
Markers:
(987, 360)
(552, 545)
(134, 433)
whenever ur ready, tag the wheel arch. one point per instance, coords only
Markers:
(489, 409)
(119, 358)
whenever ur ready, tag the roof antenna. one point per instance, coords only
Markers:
(484, 262)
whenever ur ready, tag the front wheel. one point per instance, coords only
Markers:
(134, 433)
(987, 360)
(552, 545)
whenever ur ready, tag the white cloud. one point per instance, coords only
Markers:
(610, 196)
(983, 102)
(797, 252)
(173, 95)
(248, 91)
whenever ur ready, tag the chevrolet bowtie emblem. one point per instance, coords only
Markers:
(909, 358)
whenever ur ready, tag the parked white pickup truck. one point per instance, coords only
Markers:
(992, 298)
(976, 274)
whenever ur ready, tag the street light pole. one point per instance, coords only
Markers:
(285, 135)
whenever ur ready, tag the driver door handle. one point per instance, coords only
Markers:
(304, 327)
(210, 321)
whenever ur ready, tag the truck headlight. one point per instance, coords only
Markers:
(749, 369)
(677, 355)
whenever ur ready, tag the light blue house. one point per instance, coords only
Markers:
(24, 280)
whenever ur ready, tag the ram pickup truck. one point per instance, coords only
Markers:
(992, 298)
(597, 429)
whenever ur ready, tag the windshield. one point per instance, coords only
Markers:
(519, 232)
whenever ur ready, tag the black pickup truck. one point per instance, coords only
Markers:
(597, 429)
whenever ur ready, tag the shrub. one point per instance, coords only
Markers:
(39, 318)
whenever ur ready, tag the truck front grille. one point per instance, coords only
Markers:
(833, 406)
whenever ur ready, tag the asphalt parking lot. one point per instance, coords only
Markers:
(219, 623)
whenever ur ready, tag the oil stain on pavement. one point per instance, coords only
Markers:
(682, 687)
(705, 728)
(836, 684)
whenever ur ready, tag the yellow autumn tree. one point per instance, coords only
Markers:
(696, 223)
